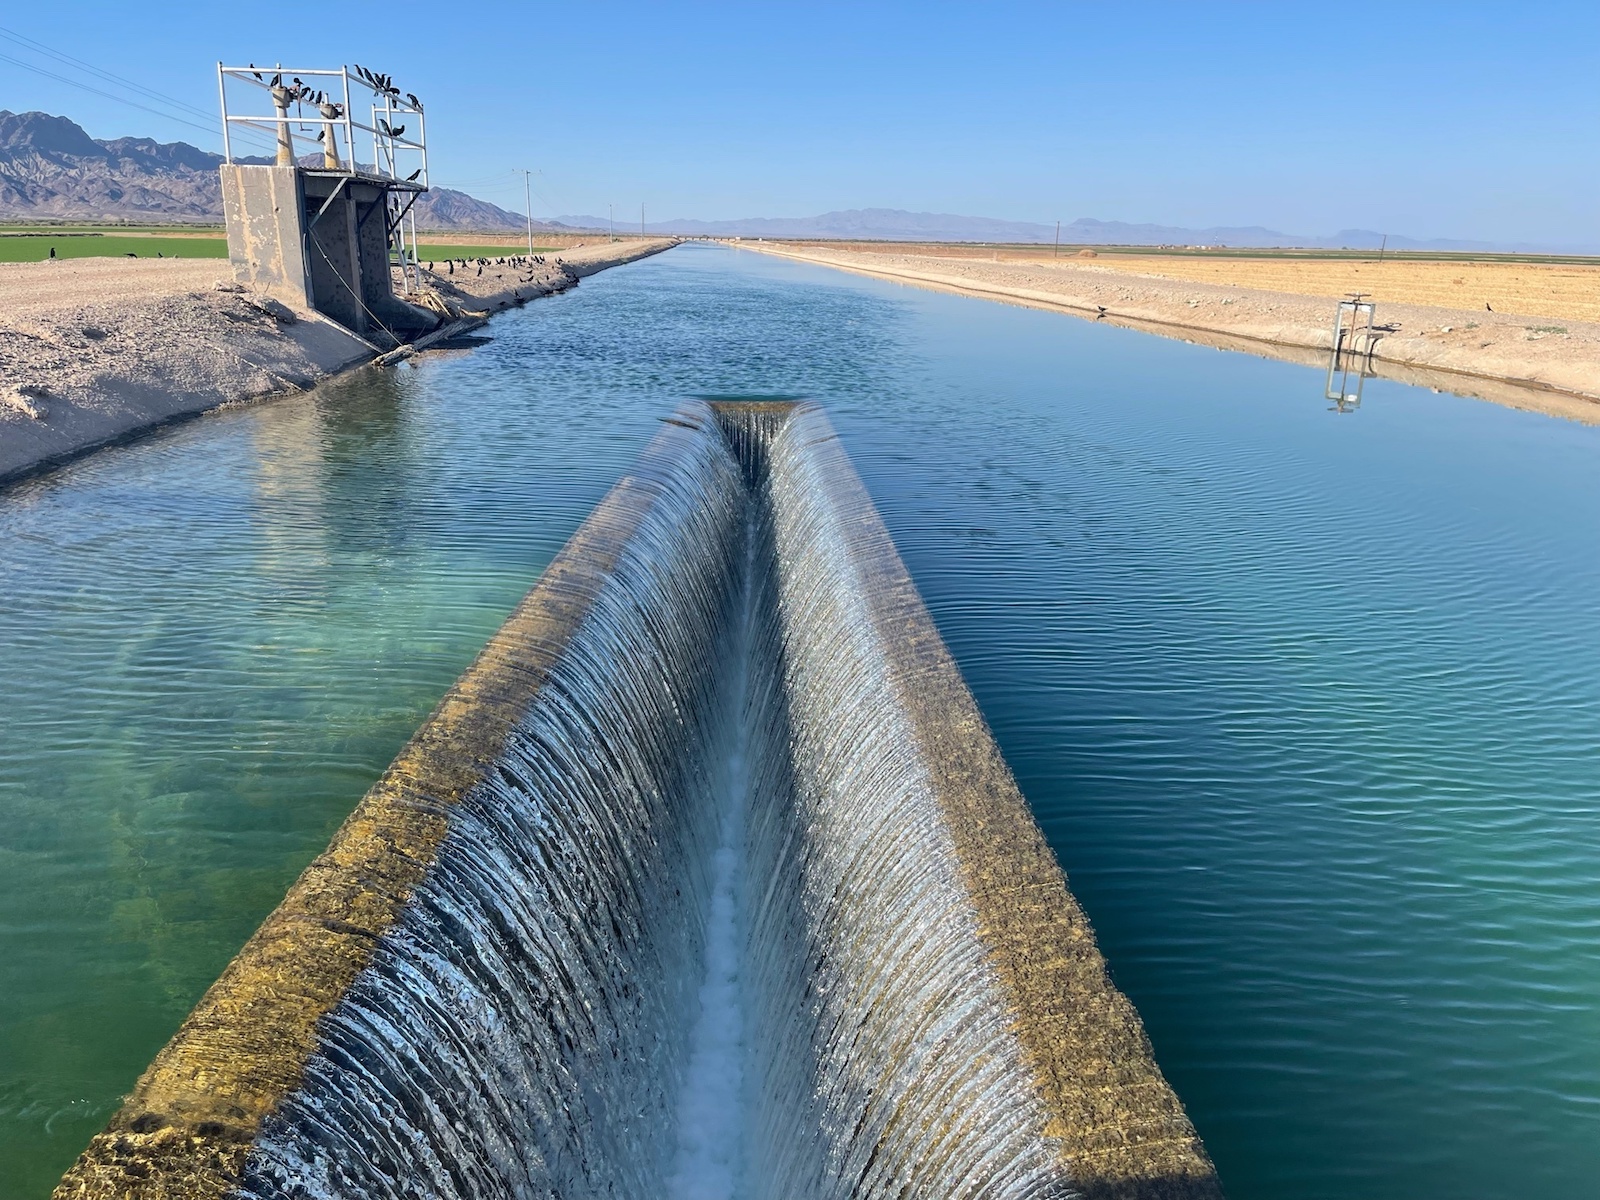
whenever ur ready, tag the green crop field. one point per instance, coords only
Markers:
(19, 243)
(76, 244)
(56, 228)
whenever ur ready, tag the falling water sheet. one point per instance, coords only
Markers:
(496, 980)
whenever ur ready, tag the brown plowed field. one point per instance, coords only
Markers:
(1555, 291)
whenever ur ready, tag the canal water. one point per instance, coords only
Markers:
(1307, 703)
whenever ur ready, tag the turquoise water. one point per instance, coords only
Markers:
(1308, 705)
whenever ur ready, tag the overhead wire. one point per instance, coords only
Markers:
(174, 107)
(109, 76)
(250, 137)
(505, 184)
(17, 62)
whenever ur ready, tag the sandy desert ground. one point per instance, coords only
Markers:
(1560, 291)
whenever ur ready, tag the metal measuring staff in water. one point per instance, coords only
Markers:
(1354, 339)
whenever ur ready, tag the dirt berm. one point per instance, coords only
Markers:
(98, 350)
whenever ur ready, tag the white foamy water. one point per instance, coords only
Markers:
(697, 934)
(711, 1108)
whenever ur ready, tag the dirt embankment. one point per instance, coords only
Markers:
(93, 351)
(1537, 348)
(483, 286)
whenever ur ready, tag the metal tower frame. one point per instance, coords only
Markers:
(394, 148)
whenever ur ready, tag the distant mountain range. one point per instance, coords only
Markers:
(50, 169)
(896, 225)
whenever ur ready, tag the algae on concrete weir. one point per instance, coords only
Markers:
(485, 984)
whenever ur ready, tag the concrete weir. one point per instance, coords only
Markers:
(705, 879)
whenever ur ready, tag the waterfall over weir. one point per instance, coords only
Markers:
(706, 879)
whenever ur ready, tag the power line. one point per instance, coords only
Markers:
(168, 115)
(17, 62)
(41, 48)
(501, 184)
(118, 99)
(250, 137)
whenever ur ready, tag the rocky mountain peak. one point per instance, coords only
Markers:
(51, 169)
(45, 134)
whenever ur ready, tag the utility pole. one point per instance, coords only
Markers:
(527, 198)
(611, 220)
(1057, 254)
(641, 218)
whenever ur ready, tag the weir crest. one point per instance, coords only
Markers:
(706, 879)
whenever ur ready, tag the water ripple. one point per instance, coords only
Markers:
(1308, 705)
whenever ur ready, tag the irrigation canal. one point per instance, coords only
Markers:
(1308, 704)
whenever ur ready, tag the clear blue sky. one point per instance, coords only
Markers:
(1464, 120)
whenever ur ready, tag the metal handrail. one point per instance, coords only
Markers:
(387, 147)
(384, 144)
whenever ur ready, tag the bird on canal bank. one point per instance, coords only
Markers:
(1486, 307)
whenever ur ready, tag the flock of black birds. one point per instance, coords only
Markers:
(301, 92)
(382, 84)
(516, 260)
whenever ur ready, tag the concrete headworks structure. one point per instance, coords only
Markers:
(326, 235)
(724, 691)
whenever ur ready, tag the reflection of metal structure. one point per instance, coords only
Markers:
(1351, 356)
(326, 234)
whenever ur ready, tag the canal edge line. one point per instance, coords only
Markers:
(1532, 395)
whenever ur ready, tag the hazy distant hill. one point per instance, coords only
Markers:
(896, 225)
(50, 169)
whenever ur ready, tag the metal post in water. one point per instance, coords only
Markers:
(1343, 356)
